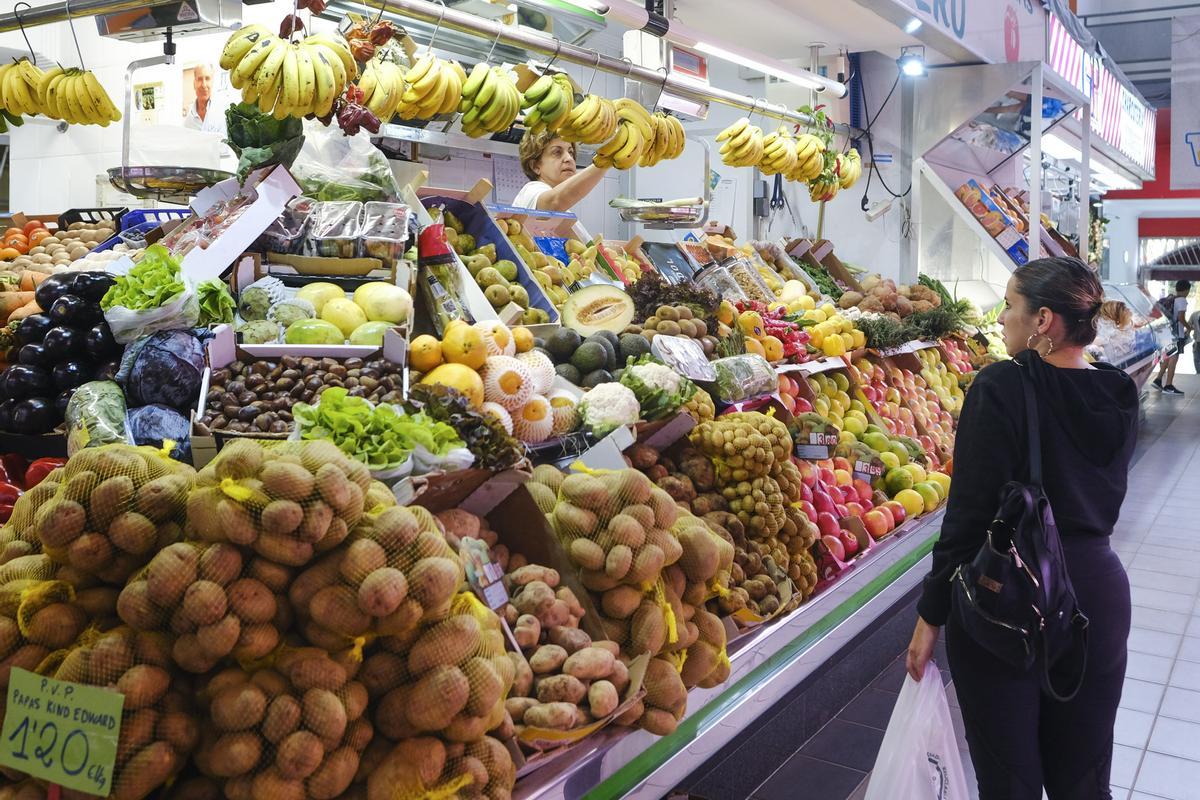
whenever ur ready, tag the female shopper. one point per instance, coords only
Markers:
(1020, 739)
(554, 182)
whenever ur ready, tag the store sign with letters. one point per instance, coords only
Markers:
(1185, 103)
(996, 30)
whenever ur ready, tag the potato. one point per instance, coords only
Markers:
(589, 664)
(587, 554)
(251, 600)
(283, 549)
(204, 603)
(437, 697)
(535, 598)
(557, 715)
(602, 699)
(234, 754)
(319, 672)
(323, 714)
(432, 581)
(170, 573)
(382, 591)
(621, 601)
(337, 608)
(143, 686)
(523, 682)
(273, 783)
(568, 638)
(179, 729)
(56, 625)
(564, 688)
(517, 706)
(361, 559)
(334, 776)
(298, 756)
(658, 722)
(619, 677)
(448, 642)
(487, 686)
(282, 718)
(221, 637)
(548, 659)
(137, 731)
(238, 708)
(527, 631)
(146, 771)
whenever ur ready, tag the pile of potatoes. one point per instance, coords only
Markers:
(112, 509)
(397, 573)
(427, 767)
(213, 600)
(701, 636)
(569, 690)
(448, 678)
(615, 527)
(158, 727)
(18, 537)
(295, 731)
(288, 501)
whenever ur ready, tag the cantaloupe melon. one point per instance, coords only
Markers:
(598, 308)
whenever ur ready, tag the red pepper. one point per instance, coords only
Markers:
(6, 510)
(39, 469)
(12, 467)
(8, 493)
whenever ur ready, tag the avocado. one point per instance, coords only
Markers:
(562, 344)
(569, 373)
(596, 377)
(543, 351)
(633, 345)
(617, 375)
(540, 344)
(590, 356)
(612, 338)
(610, 352)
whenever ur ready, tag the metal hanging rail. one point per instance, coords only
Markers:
(563, 51)
(58, 12)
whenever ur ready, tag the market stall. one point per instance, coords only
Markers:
(366, 487)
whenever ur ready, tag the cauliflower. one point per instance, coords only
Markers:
(657, 376)
(607, 407)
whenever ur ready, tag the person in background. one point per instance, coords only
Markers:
(1176, 313)
(555, 184)
(1194, 321)
(204, 114)
(1020, 739)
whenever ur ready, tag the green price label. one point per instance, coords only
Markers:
(65, 733)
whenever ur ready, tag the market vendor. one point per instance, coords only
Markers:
(555, 184)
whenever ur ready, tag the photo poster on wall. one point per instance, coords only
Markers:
(202, 84)
(147, 101)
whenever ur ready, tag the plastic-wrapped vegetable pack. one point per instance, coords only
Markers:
(212, 600)
(446, 679)
(288, 501)
(396, 572)
(293, 731)
(158, 728)
(112, 509)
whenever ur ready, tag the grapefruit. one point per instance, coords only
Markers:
(424, 353)
(913, 502)
(463, 344)
(460, 377)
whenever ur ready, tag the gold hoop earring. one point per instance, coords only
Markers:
(1029, 344)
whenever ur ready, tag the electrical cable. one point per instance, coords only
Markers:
(874, 170)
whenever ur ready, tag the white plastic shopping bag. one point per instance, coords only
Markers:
(919, 759)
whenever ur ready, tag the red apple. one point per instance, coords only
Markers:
(842, 464)
(848, 542)
(827, 524)
(855, 509)
(823, 503)
(898, 512)
(809, 510)
(877, 522)
(788, 402)
(834, 545)
(827, 477)
(840, 511)
(806, 492)
(803, 406)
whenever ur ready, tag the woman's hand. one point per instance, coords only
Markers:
(920, 649)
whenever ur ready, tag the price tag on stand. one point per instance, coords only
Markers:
(867, 470)
(484, 575)
(819, 446)
(64, 733)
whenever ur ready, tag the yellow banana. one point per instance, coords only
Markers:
(290, 82)
(337, 47)
(323, 76)
(307, 81)
(239, 43)
(267, 79)
(254, 58)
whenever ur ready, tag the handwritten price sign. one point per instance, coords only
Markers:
(65, 733)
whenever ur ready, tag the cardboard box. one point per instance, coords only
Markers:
(999, 225)
(223, 349)
(551, 231)
(478, 223)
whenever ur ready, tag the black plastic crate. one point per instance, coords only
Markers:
(68, 218)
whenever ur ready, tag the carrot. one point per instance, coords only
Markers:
(27, 310)
(30, 279)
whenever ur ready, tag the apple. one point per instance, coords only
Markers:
(834, 544)
(898, 512)
(841, 463)
(808, 473)
(848, 542)
(841, 511)
(803, 406)
(806, 492)
(827, 524)
(849, 494)
(788, 402)
(855, 509)
(823, 503)
(877, 522)
(809, 511)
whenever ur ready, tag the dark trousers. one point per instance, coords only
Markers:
(1020, 739)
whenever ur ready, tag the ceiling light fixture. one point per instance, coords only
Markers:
(913, 26)
(912, 61)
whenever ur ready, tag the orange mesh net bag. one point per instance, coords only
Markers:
(213, 600)
(295, 730)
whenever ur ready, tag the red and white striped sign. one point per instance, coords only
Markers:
(1065, 55)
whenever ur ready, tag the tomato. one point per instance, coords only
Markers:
(32, 226)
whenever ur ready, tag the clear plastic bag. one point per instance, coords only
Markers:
(183, 311)
(919, 758)
(744, 377)
(333, 166)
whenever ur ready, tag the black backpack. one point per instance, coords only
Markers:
(1016, 599)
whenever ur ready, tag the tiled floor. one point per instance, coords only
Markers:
(1156, 751)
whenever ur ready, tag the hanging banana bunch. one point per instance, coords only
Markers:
(635, 134)
(490, 102)
(435, 87)
(810, 159)
(287, 78)
(779, 152)
(72, 95)
(743, 144)
(848, 168)
(593, 121)
(382, 85)
(548, 101)
(669, 140)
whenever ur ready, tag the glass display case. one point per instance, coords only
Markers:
(1136, 348)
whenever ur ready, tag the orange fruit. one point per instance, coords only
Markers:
(13, 232)
(33, 225)
(773, 348)
(37, 236)
(18, 243)
(755, 346)
(9, 254)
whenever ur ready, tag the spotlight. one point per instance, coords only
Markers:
(912, 61)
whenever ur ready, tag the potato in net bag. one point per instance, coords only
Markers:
(452, 676)
(396, 572)
(288, 501)
(213, 600)
(615, 526)
(115, 506)
(158, 727)
(292, 731)
(426, 768)
(18, 536)
(700, 652)
(27, 789)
